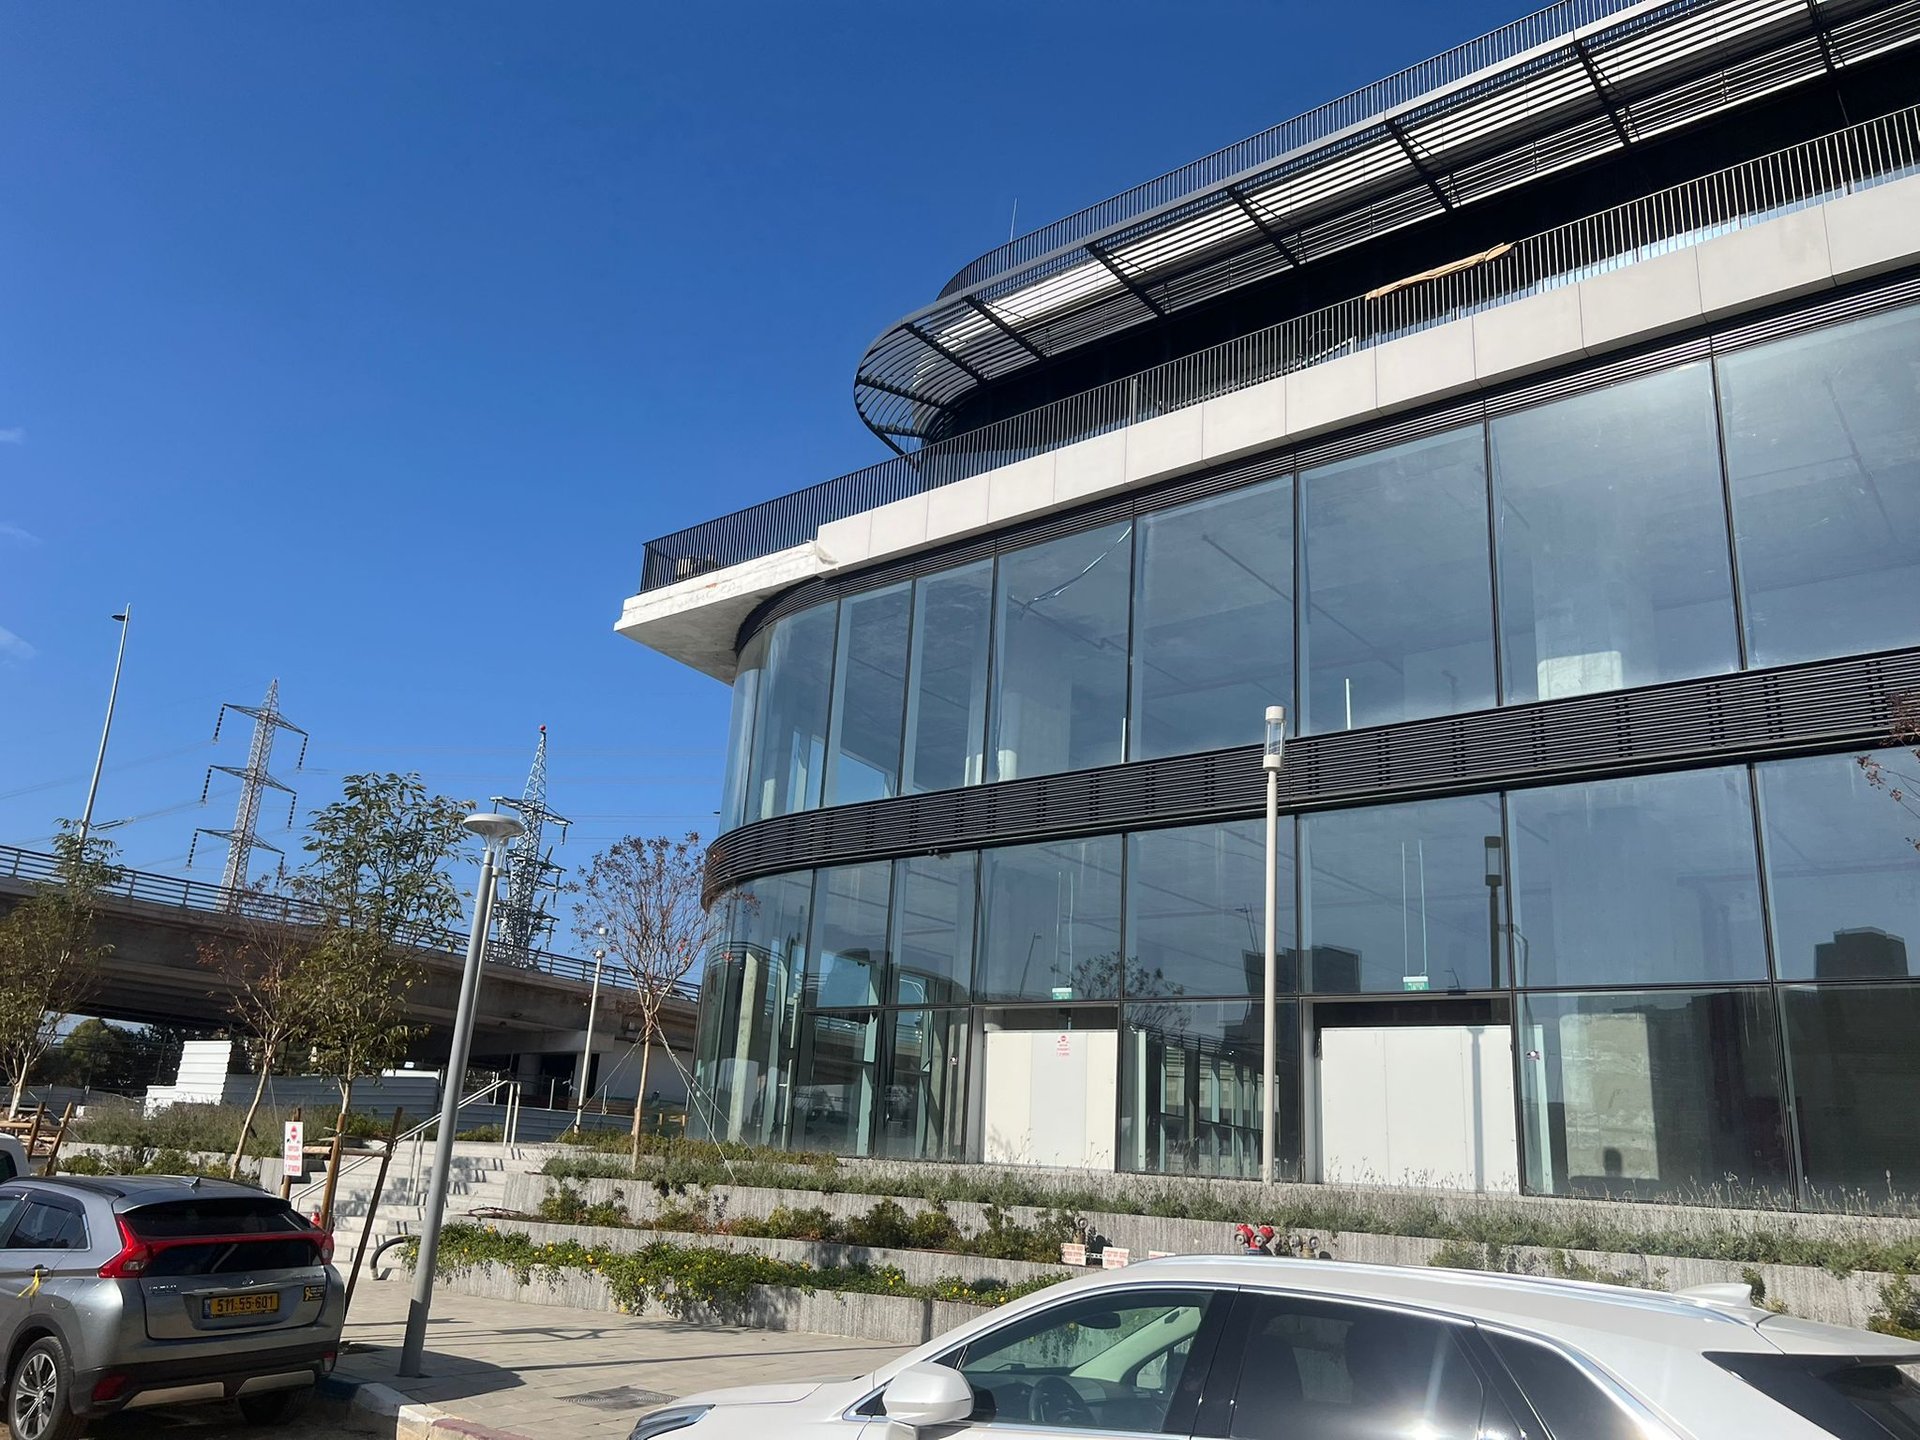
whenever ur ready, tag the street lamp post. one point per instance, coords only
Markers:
(1493, 855)
(125, 617)
(495, 831)
(586, 1045)
(1271, 759)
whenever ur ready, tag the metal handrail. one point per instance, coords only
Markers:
(1683, 215)
(416, 1134)
(40, 868)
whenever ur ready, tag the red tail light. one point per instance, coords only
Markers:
(134, 1257)
(323, 1242)
(109, 1386)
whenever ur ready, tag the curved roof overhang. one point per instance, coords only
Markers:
(1553, 90)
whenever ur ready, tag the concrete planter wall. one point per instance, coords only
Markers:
(921, 1267)
(890, 1319)
(1805, 1290)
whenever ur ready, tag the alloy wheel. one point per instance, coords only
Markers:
(36, 1389)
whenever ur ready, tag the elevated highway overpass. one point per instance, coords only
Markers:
(532, 1016)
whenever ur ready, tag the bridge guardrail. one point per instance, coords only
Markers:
(178, 893)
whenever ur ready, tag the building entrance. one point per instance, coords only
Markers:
(1415, 1093)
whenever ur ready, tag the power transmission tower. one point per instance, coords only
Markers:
(255, 781)
(525, 921)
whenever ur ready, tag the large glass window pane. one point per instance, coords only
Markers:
(1190, 1096)
(869, 691)
(947, 691)
(834, 1084)
(1397, 897)
(849, 963)
(1613, 539)
(1841, 868)
(1648, 881)
(746, 698)
(790, 730)
(1823, 449)
(1060, 654)
(1398, 615)
(923, 1108)
(765, 960)
(1670, 1095)
(1213, 621)
(1197, 910)
(1050, 927)
(1856, 1082)
(933, 929)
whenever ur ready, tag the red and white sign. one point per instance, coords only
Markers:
(1063, 1047)
(1073, 1254)
(293, 1155)
(1114, 1258)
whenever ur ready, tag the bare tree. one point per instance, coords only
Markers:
(1902, 785)
(646, 892)
(49, 955)
(267, 965)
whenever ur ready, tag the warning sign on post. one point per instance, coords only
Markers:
(293, 1156)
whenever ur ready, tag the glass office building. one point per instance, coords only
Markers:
(1593, 595)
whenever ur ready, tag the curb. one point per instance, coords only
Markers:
(411, 1420)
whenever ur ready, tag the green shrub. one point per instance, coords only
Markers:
(1899, 1312)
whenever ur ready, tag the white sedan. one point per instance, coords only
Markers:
(1226, 1348)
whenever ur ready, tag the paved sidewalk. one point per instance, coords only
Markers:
(557, 1374)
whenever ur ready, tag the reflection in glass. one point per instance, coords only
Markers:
(790, 730)
(834, 1083)
(1823, 452)
(1398, 619)
(1659, 1095)
(849, 936)
(760, 969)
(933, 929)
(1637, 882)
(746, 696)
(947, 694)
(1841, 870)
(1213, 621)
(923, 1108)
(1050, 921)
(1060, 654)
(1190, 1096)
(1196, 910)
(1856, 1081)
(1397, 897)
(1613, 539)
(869, 689)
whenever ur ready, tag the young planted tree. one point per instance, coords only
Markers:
(268, 967)
(49, 954)
(646, 892)
(376, 875)
(1901, 783)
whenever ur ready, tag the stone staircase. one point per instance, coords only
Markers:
(479, 1182)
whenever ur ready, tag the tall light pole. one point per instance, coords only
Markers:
(125, 617)
(586, 1045)
(1271, 759)
(496, 831)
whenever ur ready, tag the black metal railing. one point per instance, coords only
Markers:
(1686, 214)
(176, 893)
(1367, 103)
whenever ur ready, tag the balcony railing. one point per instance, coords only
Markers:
(1750, 193)
(198, 895)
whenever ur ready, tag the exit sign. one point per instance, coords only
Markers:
(1413, 982)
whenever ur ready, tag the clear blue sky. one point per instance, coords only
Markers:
(365, 344)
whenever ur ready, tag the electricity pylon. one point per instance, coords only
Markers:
(525, 921)
(255, 781)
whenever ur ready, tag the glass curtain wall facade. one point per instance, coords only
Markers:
(1708, 973)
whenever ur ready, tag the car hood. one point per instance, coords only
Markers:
(789, 1394)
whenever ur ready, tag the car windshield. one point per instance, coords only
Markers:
(1863, 1398)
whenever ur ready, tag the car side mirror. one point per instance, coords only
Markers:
(928, 1395)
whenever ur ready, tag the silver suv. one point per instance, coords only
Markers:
(158, 1289)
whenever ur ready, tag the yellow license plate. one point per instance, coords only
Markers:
(222, 1306)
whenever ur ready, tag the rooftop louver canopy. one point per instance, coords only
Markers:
(1557, 88)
